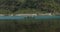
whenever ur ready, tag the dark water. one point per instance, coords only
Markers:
(36, 17)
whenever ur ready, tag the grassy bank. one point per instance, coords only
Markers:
(31, 25)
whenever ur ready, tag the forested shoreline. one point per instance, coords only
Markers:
(29, 6)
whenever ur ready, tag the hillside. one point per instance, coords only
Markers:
(29, 6)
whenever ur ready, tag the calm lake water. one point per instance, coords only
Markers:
(22, 17)
(47, 17)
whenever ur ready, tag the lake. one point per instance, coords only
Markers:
(22, 17)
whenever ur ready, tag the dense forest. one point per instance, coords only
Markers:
(29, 6)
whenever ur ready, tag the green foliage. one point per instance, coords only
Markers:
(49, 6)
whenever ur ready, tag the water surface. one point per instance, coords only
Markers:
(36, 17)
